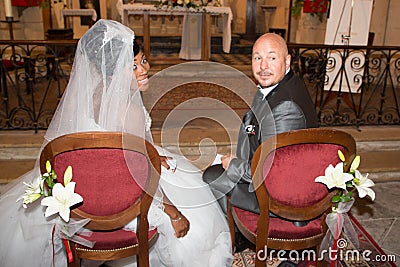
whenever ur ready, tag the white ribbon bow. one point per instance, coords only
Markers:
(336, 222)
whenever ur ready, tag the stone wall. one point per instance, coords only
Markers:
(29, 25)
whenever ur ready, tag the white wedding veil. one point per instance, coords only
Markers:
(102, 93)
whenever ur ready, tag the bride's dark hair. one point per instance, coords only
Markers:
(136, 47)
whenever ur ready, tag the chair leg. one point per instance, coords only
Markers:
(143, 259)
(260, 258)
(320, 262)
(231, 224)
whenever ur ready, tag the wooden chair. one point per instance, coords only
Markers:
(284, 170)
(117, 175)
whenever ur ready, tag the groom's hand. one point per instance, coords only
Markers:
(226, 159)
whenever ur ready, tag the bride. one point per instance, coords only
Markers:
(102, 95)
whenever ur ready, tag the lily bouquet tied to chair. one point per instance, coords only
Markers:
(346, 179)
(58, 198)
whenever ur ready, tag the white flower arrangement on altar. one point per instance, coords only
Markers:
(175, 3)
(197, 4)
(345, 180)
(57, 197)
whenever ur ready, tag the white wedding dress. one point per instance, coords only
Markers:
(208, 242)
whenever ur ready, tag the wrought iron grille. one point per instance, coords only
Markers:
(350, 85)
(33, 77)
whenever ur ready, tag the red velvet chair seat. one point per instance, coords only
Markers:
(113, 240)
(279, 228)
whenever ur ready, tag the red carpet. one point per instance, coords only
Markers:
(377, 256)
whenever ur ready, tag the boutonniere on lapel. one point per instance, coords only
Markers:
(250, 129)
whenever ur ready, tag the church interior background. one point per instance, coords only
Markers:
(33, 19)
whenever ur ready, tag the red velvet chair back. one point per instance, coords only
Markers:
(93, 171)
(284, 169)
(108, 185)
(117, 175)
(290, 178)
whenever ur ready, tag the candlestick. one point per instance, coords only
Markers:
(8, 8)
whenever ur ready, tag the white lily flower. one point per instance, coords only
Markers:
(341, 156)
(48, 166)
(32, 192)
(335, 177)
(356, 162)
(363, 184)
(68, 175)
(61, 200)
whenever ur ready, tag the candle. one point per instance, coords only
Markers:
(8, 9)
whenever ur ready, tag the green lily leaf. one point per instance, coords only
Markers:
(345, 198)
(336, 199)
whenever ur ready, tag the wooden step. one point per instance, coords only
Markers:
(379, 148)
(11, 169)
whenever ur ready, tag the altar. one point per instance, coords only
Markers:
(203, 14)
(71, 13)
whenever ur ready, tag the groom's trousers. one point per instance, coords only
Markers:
(220, 184)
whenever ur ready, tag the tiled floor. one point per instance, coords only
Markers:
(381, 218)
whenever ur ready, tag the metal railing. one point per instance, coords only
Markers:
(350, 85)
(33, 77)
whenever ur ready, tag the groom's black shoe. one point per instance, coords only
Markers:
(300, 223)
(241, 242)
(295, 223)
(287, 264)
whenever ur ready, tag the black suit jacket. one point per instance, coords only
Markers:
(288, 107)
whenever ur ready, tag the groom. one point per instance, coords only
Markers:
(281, 104)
